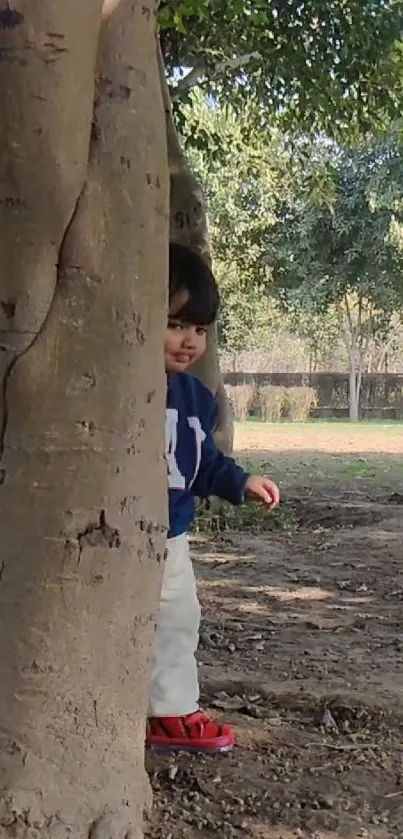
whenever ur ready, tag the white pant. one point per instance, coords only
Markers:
(174, 681)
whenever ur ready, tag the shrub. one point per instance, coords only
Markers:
(241, 398)
(299, 402)
(271, 402)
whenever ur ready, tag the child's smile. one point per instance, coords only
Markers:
(184, 344)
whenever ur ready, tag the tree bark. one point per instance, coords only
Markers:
(188, 225)
(83, 209)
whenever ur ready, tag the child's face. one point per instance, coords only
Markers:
(184, 344)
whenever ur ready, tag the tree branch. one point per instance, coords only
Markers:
(200, 73)
(359, 319)
(349, 316)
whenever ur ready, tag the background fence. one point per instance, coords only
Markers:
(381, 393)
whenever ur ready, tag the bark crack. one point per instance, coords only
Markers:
(95, 707)
(96, 535)
(36, 335)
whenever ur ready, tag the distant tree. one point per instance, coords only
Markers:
(241, 177)
(341, 251)
(333, 66)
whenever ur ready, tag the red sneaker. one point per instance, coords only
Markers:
(192, 733)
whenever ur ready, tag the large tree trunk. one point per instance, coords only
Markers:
(188, 225)
(83, 210)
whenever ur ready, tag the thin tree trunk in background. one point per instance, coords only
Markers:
(188, 225)
(358, 385)
(83, 209)
(353, 397)
(355, 358)
(355, 377)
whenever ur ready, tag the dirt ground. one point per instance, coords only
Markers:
(302, 651)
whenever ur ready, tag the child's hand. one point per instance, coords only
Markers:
(262, 489)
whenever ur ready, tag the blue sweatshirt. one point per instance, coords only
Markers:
(195, 466)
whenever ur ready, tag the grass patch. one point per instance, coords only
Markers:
(322, 473)
(372, 425)
(250, 518)
(361, 469)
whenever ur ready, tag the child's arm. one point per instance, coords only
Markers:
(219, 475)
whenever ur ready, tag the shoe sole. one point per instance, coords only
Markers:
(160, 749)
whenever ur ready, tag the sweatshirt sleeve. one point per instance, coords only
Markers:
(218, 474)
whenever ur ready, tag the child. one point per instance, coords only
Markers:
(195, 468)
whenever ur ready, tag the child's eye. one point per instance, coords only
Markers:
(201, 330)
(175, 324)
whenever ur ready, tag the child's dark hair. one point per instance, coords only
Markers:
(189, 273)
